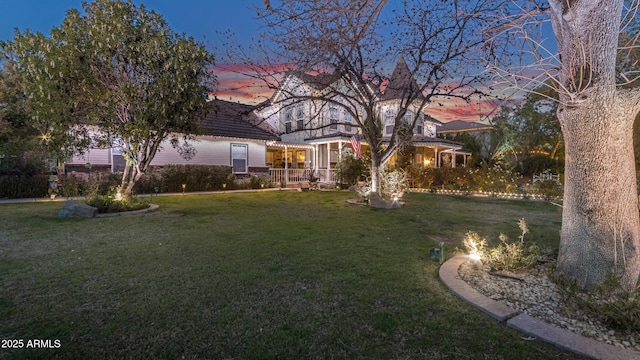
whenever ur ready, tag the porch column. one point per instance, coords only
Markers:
(435, 151)
(315, 158)
(286, 165)
(328, 175)
(113, 168)
(453, 159)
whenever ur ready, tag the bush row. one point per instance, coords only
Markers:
(23, 186)
(197, 178)
(159, 179)
(485, 179)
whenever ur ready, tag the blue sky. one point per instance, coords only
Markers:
(198, 18)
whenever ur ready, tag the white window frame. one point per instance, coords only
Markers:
(348, 121)
(389, 121)
(288, 119)
(239, 157)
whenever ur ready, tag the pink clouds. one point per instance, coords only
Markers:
(235, 84)
(457, 109)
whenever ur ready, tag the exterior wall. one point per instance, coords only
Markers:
(212, 151)
(93, 156)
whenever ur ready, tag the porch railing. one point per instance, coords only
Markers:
(280, 176)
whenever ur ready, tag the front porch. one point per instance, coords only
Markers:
(296, 163)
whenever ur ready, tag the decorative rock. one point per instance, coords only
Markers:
(531, 297)
(75, 210)
(378, 202)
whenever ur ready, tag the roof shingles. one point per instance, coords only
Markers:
(235, 120)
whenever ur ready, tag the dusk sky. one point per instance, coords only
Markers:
(201, 19)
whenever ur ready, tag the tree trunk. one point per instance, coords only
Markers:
(600, 221)
(375, 173)
(128, 180)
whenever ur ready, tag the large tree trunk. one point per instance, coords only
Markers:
(600, 221)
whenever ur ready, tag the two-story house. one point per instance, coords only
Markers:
(315, 129)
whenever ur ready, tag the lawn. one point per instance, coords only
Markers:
(273, 275)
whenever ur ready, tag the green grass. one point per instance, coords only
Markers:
(273, 275)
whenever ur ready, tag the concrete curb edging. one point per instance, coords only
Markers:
(524, 323)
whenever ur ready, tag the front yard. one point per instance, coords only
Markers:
(291, 275)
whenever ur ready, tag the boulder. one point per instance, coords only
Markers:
(377, 201)
(75, 210)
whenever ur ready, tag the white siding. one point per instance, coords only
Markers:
(212, 151)
(93, 156)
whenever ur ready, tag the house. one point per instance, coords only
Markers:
(231, 134)
(294, 134)
(481, 132)
(314, 133)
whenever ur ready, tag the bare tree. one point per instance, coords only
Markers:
(351, 46)
(599, 97)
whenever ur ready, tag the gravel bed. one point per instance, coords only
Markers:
(536, 295)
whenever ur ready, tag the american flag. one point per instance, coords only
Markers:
(355, 144)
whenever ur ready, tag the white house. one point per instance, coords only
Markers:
(230, 135)
(293, 133)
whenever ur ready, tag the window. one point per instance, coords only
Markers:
(389, 120)
(333, 118)
(288, 117)
(348, 120)
(299, 111)
(419, 128)
(388, 129)
(239, 158)
(300, 117)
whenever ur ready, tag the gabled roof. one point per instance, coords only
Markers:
(433, 120)
(318, 81)
(401, 83)
(463, 126)
(235, 120)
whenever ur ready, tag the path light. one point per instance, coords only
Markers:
(437, 253)
(261, 185)
(224, 187)
(119, 195)
(184, 186)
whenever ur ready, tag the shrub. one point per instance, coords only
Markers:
(108, 204)
(252, 182)
(614, 307)
(22, 186)
(349, 169)
(196, 177)
(506, 255)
